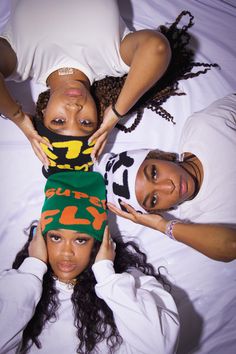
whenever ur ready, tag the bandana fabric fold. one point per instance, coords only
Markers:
(70, 153)
(120, 171)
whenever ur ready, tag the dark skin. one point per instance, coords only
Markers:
(215, 241)
(146, 52)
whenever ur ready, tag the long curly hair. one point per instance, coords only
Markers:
(107, 90)
(94, 320)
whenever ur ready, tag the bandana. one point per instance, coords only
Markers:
(70, 153)
(120, 173)
(75, 201)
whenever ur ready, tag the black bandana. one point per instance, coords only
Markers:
(70, 153)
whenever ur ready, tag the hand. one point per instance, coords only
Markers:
(26, 125)
(101, 135)
(37, 247)
(154, 221)
(107, 248)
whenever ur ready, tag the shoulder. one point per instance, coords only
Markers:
(8, 58)
(221, 114)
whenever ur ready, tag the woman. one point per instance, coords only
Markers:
(201, 185)
(77, 292)
(66, 55)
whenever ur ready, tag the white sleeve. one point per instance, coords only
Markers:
(20, 291)
(145, 314)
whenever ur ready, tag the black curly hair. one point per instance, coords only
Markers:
(107, 90)
(93, 318)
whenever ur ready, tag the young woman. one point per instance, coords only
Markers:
(72, 291)
(79, 43)
(201, 185)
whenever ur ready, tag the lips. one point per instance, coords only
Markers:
(66, 266)
(183, 186)
(73, 92)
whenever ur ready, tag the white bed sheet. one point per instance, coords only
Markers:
(204, 290)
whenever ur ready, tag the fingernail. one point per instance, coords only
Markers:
(34, 231)
(50, 148)
(45, 167)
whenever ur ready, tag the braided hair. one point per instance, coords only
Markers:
(106, 91)
(94, 320)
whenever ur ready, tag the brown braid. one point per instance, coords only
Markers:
(107, 90)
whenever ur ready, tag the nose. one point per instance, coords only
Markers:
(74, 107)
(165, 186)
(67, 249)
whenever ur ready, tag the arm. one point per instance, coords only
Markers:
(215, 241)
(10, 108)
(145, 314)
(148, 54)
(20, 291)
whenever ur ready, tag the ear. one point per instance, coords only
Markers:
(43, 111)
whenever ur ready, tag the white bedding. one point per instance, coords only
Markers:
(204, 290)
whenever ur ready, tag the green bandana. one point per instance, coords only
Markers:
(75, 201)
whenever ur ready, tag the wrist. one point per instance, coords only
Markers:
(118, 115)
(170, 228)
(17, 116)
(161, 225)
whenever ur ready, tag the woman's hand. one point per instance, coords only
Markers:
(37, 247)
(154, 221)
(107, 249)
(25, 124)
(101, 135)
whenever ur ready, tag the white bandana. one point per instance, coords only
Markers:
(119, 172)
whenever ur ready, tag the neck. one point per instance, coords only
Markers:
(63, 75)
(194, 167)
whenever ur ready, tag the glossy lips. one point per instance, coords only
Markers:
(73, 92)
(183, 187)
(66, 266)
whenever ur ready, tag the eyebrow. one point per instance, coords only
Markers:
(145, 172)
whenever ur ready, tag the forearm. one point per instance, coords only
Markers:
(150, 61)
(216, 242)
(145, 314)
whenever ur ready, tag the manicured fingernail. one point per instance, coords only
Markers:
(50, 148)
(34, 231)
(45, 167)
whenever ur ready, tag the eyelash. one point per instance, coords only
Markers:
(58, 121)
(56, 238)
(61, 121)
(154, 200)
(154, 172)
(81, 239)
(86, 122)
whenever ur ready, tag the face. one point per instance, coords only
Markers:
(71, 110)
(161, 185)
(68, 253)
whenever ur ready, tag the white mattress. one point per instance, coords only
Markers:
(204, 290)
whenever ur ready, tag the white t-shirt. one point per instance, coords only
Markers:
(145, 314)
(50, 34)
(211, 135)
(208, 134)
